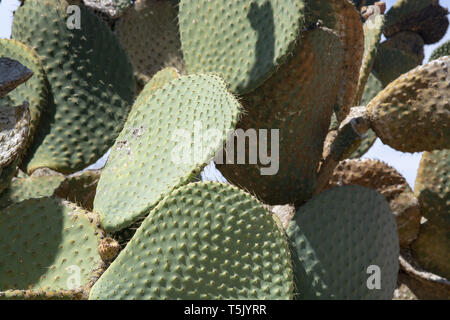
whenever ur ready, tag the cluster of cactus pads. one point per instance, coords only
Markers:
(135, 74)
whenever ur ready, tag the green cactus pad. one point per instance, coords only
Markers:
(35, 90)
(167, 139)
(54, 247)
(409, 42)
(412, 114)
(373, 29)
(442, 50)
(14, 129)
(366, 143)
(373, 87)
(343, 18)
(12, 74)
(301, 111)
(29, 188)
(432, 186)
(425, 17)
(244, 41)
(337, 236)
(80, 188)
(203, 241)
(392, 61)
(157, 82)
(378, 175)
(149, 32)
(91, 81)
(431, 250)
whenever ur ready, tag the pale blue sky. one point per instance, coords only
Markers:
(405, 163)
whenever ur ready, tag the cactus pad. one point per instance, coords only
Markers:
(149, 32)
(378, 175)
(442, 50)
(169, 134)
(432, 186)
(337, 236)
(35, 90)
(342, 17)
(373, 29)
(54, 247)
(244, 41)
(203, 241)
(412, 114)
(393, 60)
(80, 188)
(29, 188)
(157, 82)
(425, 17)
(431, 249)
(301, 111)
(91, 81)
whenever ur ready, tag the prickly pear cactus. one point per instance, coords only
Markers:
(203, 241)
(417, 103)
(442, 50)
(149, 32)
(379, 176)
(155, 152)
(55, 246)
(244, 41)
(278, 94)
(425, 17)
(336, 237)
(91, 83)
(292, 106)
(34, 90)
(30, 187)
